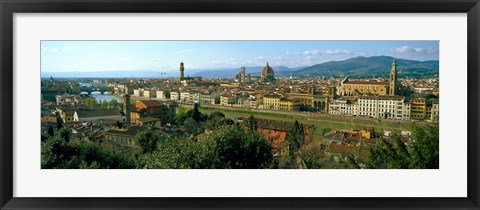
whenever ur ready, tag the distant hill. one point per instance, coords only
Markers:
(231, 72)
(353, 67)
(368, 67)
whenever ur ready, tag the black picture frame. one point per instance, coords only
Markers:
(9, 7)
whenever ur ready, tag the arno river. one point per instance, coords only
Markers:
(105, 96)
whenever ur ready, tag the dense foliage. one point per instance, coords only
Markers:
(59, 152)
(216, 142)
(229, 147)
(422, 153)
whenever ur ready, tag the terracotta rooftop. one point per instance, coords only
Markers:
(152, 103)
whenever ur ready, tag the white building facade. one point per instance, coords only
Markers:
(174, 96)
(387, 107)
(184, 96)
(138, 92)
(160, 94)
(343, 107)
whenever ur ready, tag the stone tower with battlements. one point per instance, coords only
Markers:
(393, 79)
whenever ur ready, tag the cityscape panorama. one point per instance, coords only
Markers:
(240, 104)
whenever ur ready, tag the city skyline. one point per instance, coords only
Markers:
(90, 56)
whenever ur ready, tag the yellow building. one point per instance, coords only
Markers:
(271, 101)
(314, 98)
(224, 99)
(289, 104)
(418, 108)
(435, 112)
(150, 93)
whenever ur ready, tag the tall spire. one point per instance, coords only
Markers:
(393, 78)
(182, 69)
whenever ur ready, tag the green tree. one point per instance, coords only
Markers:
(59, 152)
(215, 114)
(149, 140)
(237, 148)
(91, 103)
(118, 124)
(104, 104)
(196, 114)
(295, 138)
(191, 125)
(181, 116)
(389, 154)
(218, 122)
(50, 131)
(113, 104)
(425, 148)
(228, 147)
(59, 123)
(422, 152)
(252, 124)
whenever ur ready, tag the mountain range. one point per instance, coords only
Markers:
(352, 67)
(370, 67)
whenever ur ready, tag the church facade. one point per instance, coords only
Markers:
(374, 88)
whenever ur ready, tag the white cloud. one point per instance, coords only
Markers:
(311, 52)
(338, 52)
(417, 50)
(327, 52)
(185, 51)
(403, 49)
(57, 49)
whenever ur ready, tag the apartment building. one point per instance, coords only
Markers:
(388, 107)
(343, 107)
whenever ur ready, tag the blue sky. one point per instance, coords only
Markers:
(88, 56)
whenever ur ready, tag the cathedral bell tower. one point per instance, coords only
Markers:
(393, 79)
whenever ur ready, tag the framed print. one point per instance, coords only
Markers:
(239, 105)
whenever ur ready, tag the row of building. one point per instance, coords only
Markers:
(387, 107)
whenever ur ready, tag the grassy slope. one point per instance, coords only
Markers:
(318, 122)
